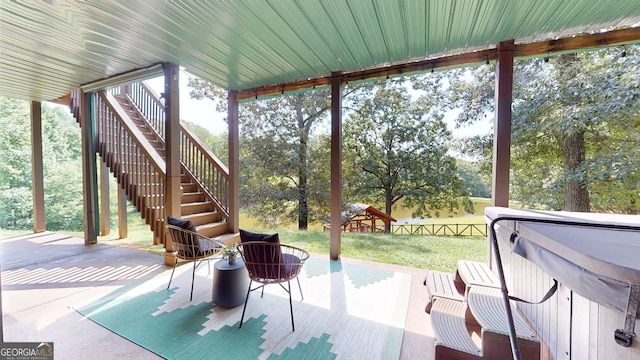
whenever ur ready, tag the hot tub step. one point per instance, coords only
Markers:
(476, 273)
(442, 285)
(454, 335)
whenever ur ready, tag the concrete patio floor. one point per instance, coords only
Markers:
(44, 274)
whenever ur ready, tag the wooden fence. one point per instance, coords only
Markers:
(440, 229)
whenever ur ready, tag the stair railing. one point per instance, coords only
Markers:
(138, 167)
(206, 169)
(148, 104)
(196, 159)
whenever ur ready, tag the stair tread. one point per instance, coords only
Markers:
(228, 237)
(194, 203)
(487, 306)
(212, 224)
(476, 273)
(204, 213)
(193, 194)
(450, 326)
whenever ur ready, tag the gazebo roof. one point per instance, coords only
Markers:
(48, 48)
(353, 209)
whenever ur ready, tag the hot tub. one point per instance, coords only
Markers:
(595, 255)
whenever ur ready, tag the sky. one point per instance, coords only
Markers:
(200, 112)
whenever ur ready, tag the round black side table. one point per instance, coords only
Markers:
(230, 283)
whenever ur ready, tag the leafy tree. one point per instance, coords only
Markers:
(274, 142)
(572, 116)
(277, 133)
(61, 150)
(278, 142)
(217, 143)
(16, 205)
(614, 178)
(471, 174)
(399, 151)
(63, 201)
(16, 208)
(588, 96)
(15, 144)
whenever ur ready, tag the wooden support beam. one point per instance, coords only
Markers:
(89, 170)
(37, 166)
(502, 125)
(234, 162)
(579, 43)
(569, 44)
(336, 167)
(123, 229)
(445, 62)
(105, 211)
(173, 194)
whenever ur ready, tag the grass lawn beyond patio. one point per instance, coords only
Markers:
(439, 253)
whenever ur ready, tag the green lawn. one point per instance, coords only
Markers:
(423, 252)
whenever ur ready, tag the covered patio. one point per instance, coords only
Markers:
(50, 51)
(71, 52)
(48, 276)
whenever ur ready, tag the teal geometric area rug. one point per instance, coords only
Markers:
(348, 312)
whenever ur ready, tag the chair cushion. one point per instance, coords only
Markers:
(208, 247)
(191, 241)
(291, 265)
(185, 224)
(269, 257)
(249, 236)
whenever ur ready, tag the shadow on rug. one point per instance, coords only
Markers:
(348, 312)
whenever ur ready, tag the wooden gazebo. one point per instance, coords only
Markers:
(358, 217)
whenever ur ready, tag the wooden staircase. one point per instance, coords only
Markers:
(197, 209)
(469, 318)
(130, 140)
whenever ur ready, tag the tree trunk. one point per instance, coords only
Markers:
(388, 194)
(633, 209)
(576, 193)
(303, 203)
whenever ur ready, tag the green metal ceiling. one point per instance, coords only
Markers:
(48, 48)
